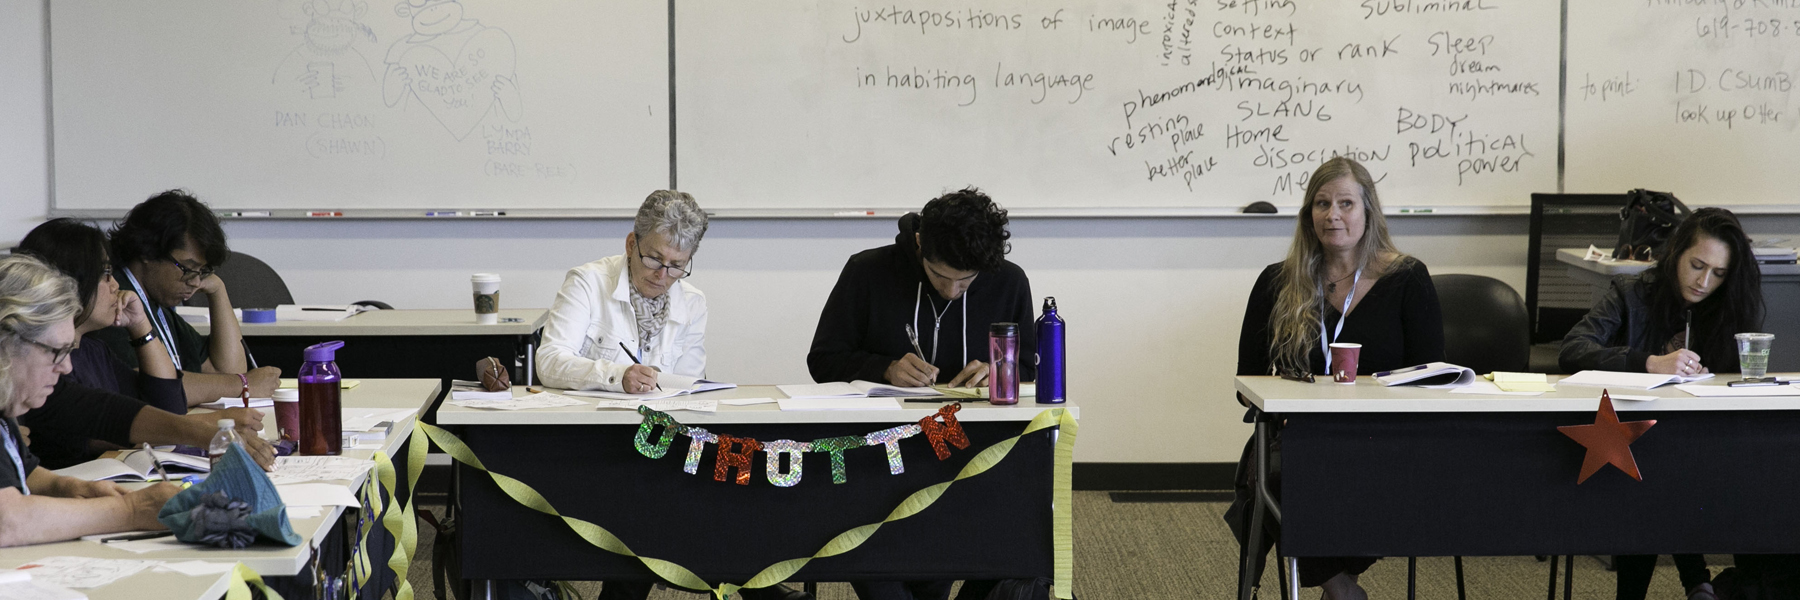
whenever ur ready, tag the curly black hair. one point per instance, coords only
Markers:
(75, 248)
(964, 229)
(163, 224)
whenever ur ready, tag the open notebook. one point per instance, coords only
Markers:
(672, 385)
(136, 465)
(855, 389)
(1635, 381)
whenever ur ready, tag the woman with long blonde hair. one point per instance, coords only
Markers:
(1342, 281)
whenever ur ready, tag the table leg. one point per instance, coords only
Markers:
(1293, 577)
(1551, 594)
(1461, 593)
(1412, 577)
(1569, 577)
(1247, 579)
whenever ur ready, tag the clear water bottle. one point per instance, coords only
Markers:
(223, 441)
(321, 401)
(1052, 384)
(1003, 371)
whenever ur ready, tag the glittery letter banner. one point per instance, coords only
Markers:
(653, 418)
(696, 448)
(891, 438)
(796, 460)
(836, 446)
(947, 430)
(739, 458)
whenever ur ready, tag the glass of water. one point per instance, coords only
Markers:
(1753, 354)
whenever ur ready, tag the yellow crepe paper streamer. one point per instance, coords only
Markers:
(1062, 540)
(242, 578)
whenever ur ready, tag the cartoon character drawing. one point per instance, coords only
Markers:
(457, 68)
(327, 64)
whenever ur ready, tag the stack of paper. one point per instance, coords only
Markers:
(300, 469)
(1522, 382)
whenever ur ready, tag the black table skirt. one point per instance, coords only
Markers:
(1504, 484)
(994, 525)
(393, 357)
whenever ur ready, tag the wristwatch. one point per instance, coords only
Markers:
(140, 342)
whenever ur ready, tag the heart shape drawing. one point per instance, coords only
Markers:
(459, 91)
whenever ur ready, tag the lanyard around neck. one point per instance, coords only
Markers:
(1325, 342)
(12, 450)
(156, 319)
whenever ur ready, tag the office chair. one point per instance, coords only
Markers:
(1488, 329)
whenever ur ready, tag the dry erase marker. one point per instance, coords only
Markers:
(854, 213)
(487, 213)
(245, 213)
(325, 213)
(441, 213)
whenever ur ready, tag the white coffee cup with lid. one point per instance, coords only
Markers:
(487, 297)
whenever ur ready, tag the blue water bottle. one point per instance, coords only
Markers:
(1052, 379)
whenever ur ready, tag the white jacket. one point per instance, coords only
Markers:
(592, 315)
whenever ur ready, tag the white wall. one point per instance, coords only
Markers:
(1154, 305)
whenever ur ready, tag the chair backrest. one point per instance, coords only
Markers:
(1554, 302)
(251, 282)
(1485, 328)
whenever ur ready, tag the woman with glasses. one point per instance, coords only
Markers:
(37, 334)
(1680, 317)
(1343, 281)
(619, 320)
(79, 251)
(164, 252)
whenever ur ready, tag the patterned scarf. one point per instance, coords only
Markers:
(651, 314)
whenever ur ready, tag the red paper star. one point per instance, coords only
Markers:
(1607, 441)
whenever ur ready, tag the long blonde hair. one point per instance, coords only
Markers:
(33, 297)
(1294, 322)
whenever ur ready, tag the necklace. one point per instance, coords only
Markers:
(1331, 286)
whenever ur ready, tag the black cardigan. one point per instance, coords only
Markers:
(862, 328)
(1398, 323)
(74, 414)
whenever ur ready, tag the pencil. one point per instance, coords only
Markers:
(635, 361)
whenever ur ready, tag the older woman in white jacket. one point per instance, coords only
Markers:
(619, 320)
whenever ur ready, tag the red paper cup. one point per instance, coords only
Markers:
(1343, 362)
(287, 414)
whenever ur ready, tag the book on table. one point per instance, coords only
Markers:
(1429, 375)
(137, 465)
(854, 389)
(1635, 381)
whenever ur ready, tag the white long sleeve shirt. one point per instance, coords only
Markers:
(592, 316)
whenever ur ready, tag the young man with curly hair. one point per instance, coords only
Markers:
(947, 276)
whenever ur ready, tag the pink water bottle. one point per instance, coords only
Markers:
(1003, 370)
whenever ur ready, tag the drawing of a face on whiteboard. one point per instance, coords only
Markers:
(453, 66)
(327, 64)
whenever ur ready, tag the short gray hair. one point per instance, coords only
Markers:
(34, 297)
(675, 215)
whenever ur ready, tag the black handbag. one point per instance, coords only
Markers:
(1645, 224)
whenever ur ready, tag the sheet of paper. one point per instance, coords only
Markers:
(543, 400)
(196, 568)
(840, 404)
(238, 402)
(835, 389)
(481, 395)
(661, 405)
(81, 572)
(23, 588)
(316, 494)
(1526, 386)
(747, 401)
(297, 469)
(1725, 391)
(304, 512)
(1489, 388)
(650, 395)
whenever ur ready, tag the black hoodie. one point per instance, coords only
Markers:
(863, 327)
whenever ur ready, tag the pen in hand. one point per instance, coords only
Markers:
(159, 468)
(635, 361)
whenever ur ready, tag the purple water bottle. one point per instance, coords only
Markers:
(1052, 386)
(321, 404)
(1003, 372)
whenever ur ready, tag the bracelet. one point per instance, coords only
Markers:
(144, 341)
(246, 379)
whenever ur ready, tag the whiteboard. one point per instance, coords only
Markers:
(1695, 98)
(1112, 105)
(334, 104)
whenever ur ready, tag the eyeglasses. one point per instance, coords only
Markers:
(657, 265)
(188, 274)
(57, 355)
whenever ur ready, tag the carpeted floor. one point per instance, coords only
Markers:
(1152, 551)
